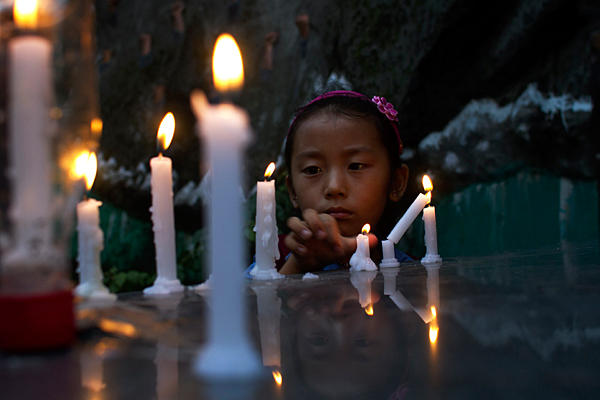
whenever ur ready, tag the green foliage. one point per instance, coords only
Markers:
(128, 242)
(127, 281)
(190, 257)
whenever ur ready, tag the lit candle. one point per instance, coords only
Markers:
(389, 255)
(224, 127)
(30, 90)
(267, 250)
(361, 259)
(411, 214)
(89, 235)
(431, 255)
(163, 218)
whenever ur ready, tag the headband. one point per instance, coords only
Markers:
(384, 107)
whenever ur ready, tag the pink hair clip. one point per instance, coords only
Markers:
(386, 108)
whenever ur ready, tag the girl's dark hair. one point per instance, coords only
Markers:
(354, 105)
(349, 107)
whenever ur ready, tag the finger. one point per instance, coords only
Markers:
(299, 227)
(333, 232)
(295, 246)
(314, 222)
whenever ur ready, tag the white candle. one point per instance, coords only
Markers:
(389, 255)
(224, 127)
(163, 218)
(90, 237)
(30, 78)
(431, 255)
(267, 250)
(361, 259)
(407, 219)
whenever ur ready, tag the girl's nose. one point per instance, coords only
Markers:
(335, 185)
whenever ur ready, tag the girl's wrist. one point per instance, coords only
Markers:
(291, 266)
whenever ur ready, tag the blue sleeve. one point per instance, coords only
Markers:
(402, 256)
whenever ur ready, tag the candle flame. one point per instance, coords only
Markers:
(227, 64)
(269, 171)
(428, 196)
(366, 229)
(277, 377)
(433, 332)
(166, 130)
(433, 312)
(427, 184)
(26, 13)
(369, 310)
(86, 166)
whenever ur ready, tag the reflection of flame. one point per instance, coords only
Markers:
(86, 166)
(96, 126)
(269, 171)
(166, 130)
(26, 13)
(277, 377)
(427, 184)
(369, 310)
(227, 65)
(118, 327)
(433, 332)
(366, 229)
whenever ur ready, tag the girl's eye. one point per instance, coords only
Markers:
(311, 170)
(356, 166)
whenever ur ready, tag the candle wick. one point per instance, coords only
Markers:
(160, 154)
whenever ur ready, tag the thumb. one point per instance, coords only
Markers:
(372, 240)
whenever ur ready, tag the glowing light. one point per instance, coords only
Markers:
(277, 377)
(86, 166)
(433, 312)
(26, 13)
(433, 333)
(366, 229)
(227, 64)
(96, 126)
(269, 171)
(427, 184)
(369, 310)
(117, 327)
(166, 130)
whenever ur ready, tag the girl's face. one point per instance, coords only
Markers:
(340, 166)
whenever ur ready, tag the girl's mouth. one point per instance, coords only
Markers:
(339, 213)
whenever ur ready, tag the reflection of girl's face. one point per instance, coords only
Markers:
(343, 350)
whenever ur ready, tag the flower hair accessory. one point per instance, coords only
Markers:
(382, 104)
(386, 108)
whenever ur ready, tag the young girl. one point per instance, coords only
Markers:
(342, 153)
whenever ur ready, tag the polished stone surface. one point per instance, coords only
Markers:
(523, 325)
